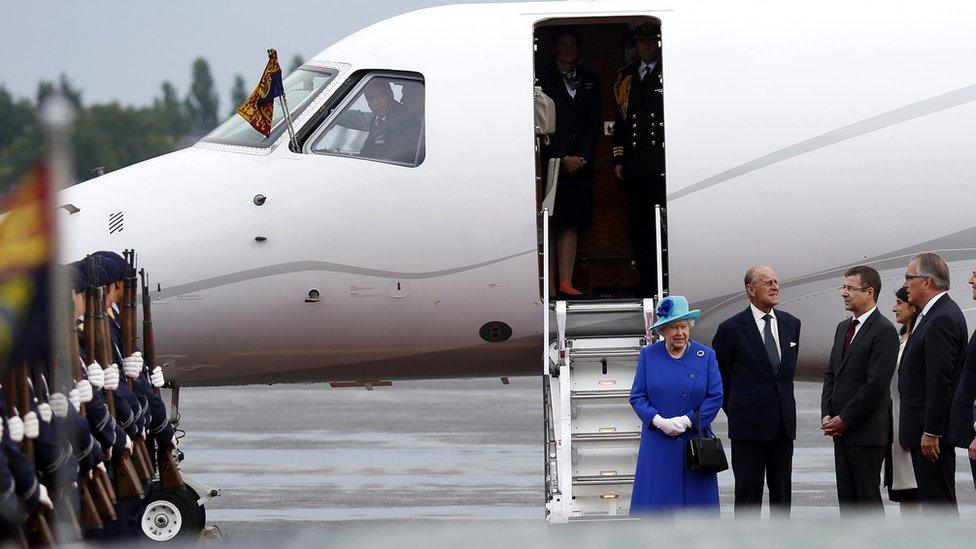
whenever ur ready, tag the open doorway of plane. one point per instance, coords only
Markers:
(611, 247)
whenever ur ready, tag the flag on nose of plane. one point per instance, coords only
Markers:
(259, 107)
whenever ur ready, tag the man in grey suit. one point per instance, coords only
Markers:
(927, 377)
(856, 400)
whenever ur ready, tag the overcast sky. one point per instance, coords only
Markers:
(124, 49)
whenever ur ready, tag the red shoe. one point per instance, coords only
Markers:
(568, 289)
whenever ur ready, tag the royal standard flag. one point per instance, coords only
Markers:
(259, 107)
(26, 248)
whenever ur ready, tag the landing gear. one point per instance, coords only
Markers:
(173, 515)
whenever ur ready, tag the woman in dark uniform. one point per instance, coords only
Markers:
(576, 93)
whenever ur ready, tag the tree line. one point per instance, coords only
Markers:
(109, 136)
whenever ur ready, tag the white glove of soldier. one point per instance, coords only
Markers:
(102, 467)
(45, 410)
(59, 404)
(132, 365)
(84, 390)
(157, 377)
(174, 443)
(96, 375)
(43, 498)
(667, 426)
(112, 377)
(128, 443)
(74, 399)
(32, 427)
(16, 427)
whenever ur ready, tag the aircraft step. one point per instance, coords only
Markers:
(598, 394)
(605, 306)
(587, 436)
(603, 480)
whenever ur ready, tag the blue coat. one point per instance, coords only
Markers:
(673, 387)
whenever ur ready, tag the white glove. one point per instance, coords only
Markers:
(45, 409)
(157, 377)
(667, 426)
(112, 377)
(96, 375)
(43, 498)
(128, 443)
(683, 422)
(59, 404)
(74, 399)
(84, 390)
(101, 466)
(16, 427)
(132, 365)
(174, 442)
(32, 427)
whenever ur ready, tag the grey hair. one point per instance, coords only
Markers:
(691, 324)
(752, 272)
(932, 266)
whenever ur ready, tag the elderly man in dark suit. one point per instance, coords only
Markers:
(927, 376)
(756, 351)
(393, 131)
(856, 400)
(962, 416)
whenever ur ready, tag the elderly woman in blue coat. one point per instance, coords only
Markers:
(677, 385)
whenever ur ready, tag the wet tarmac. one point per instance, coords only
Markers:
(300, 461)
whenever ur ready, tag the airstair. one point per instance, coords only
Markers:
(592, 433)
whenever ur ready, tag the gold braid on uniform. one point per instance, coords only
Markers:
(621, 92)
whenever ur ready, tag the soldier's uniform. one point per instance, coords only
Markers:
(638, 147)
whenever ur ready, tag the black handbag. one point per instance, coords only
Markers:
(703, 453)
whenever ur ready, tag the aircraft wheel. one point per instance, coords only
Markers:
(172, 515)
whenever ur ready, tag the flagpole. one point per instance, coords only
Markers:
(284, 109)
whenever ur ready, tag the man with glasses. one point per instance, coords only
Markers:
(929, 370)
(856, 400)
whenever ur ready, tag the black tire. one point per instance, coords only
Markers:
(172, 515)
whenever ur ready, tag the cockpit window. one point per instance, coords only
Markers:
(383, 120)
(301, 87)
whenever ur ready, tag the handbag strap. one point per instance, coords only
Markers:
(698, 426)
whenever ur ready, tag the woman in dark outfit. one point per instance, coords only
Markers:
(576, 93)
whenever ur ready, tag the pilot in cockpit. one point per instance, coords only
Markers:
(393, 129)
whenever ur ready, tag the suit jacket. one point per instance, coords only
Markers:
(857, 384)
(757, 399)
(395, 139)
(963, 411)
(578, 119)
(929, 371)
(638, 129)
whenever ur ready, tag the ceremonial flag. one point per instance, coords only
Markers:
(259, 107)
(26, 247)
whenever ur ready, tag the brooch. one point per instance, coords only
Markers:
(701, 353)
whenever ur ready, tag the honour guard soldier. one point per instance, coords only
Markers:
(638, 148)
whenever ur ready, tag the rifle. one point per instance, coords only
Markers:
(127, 321)
(169, 473)
(38, 526)
(126, 476)
(95, 493)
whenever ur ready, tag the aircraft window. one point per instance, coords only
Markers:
(383, 121)
(301, 87)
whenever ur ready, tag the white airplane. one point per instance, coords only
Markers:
(810, 138)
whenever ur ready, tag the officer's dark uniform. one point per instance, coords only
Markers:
(638, 146)
(393, 138)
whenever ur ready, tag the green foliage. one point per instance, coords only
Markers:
(202, 102)
(238, 95)
(296, 62)
(109, 135)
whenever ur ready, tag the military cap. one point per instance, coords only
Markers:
(648, 31)
(113, 263)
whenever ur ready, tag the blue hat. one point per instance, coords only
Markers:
(672, 309)
(113, 264)
(102, 277)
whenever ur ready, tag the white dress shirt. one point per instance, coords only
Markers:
(860, 321)
(761, 324)
(927, 308)
(640, 71)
